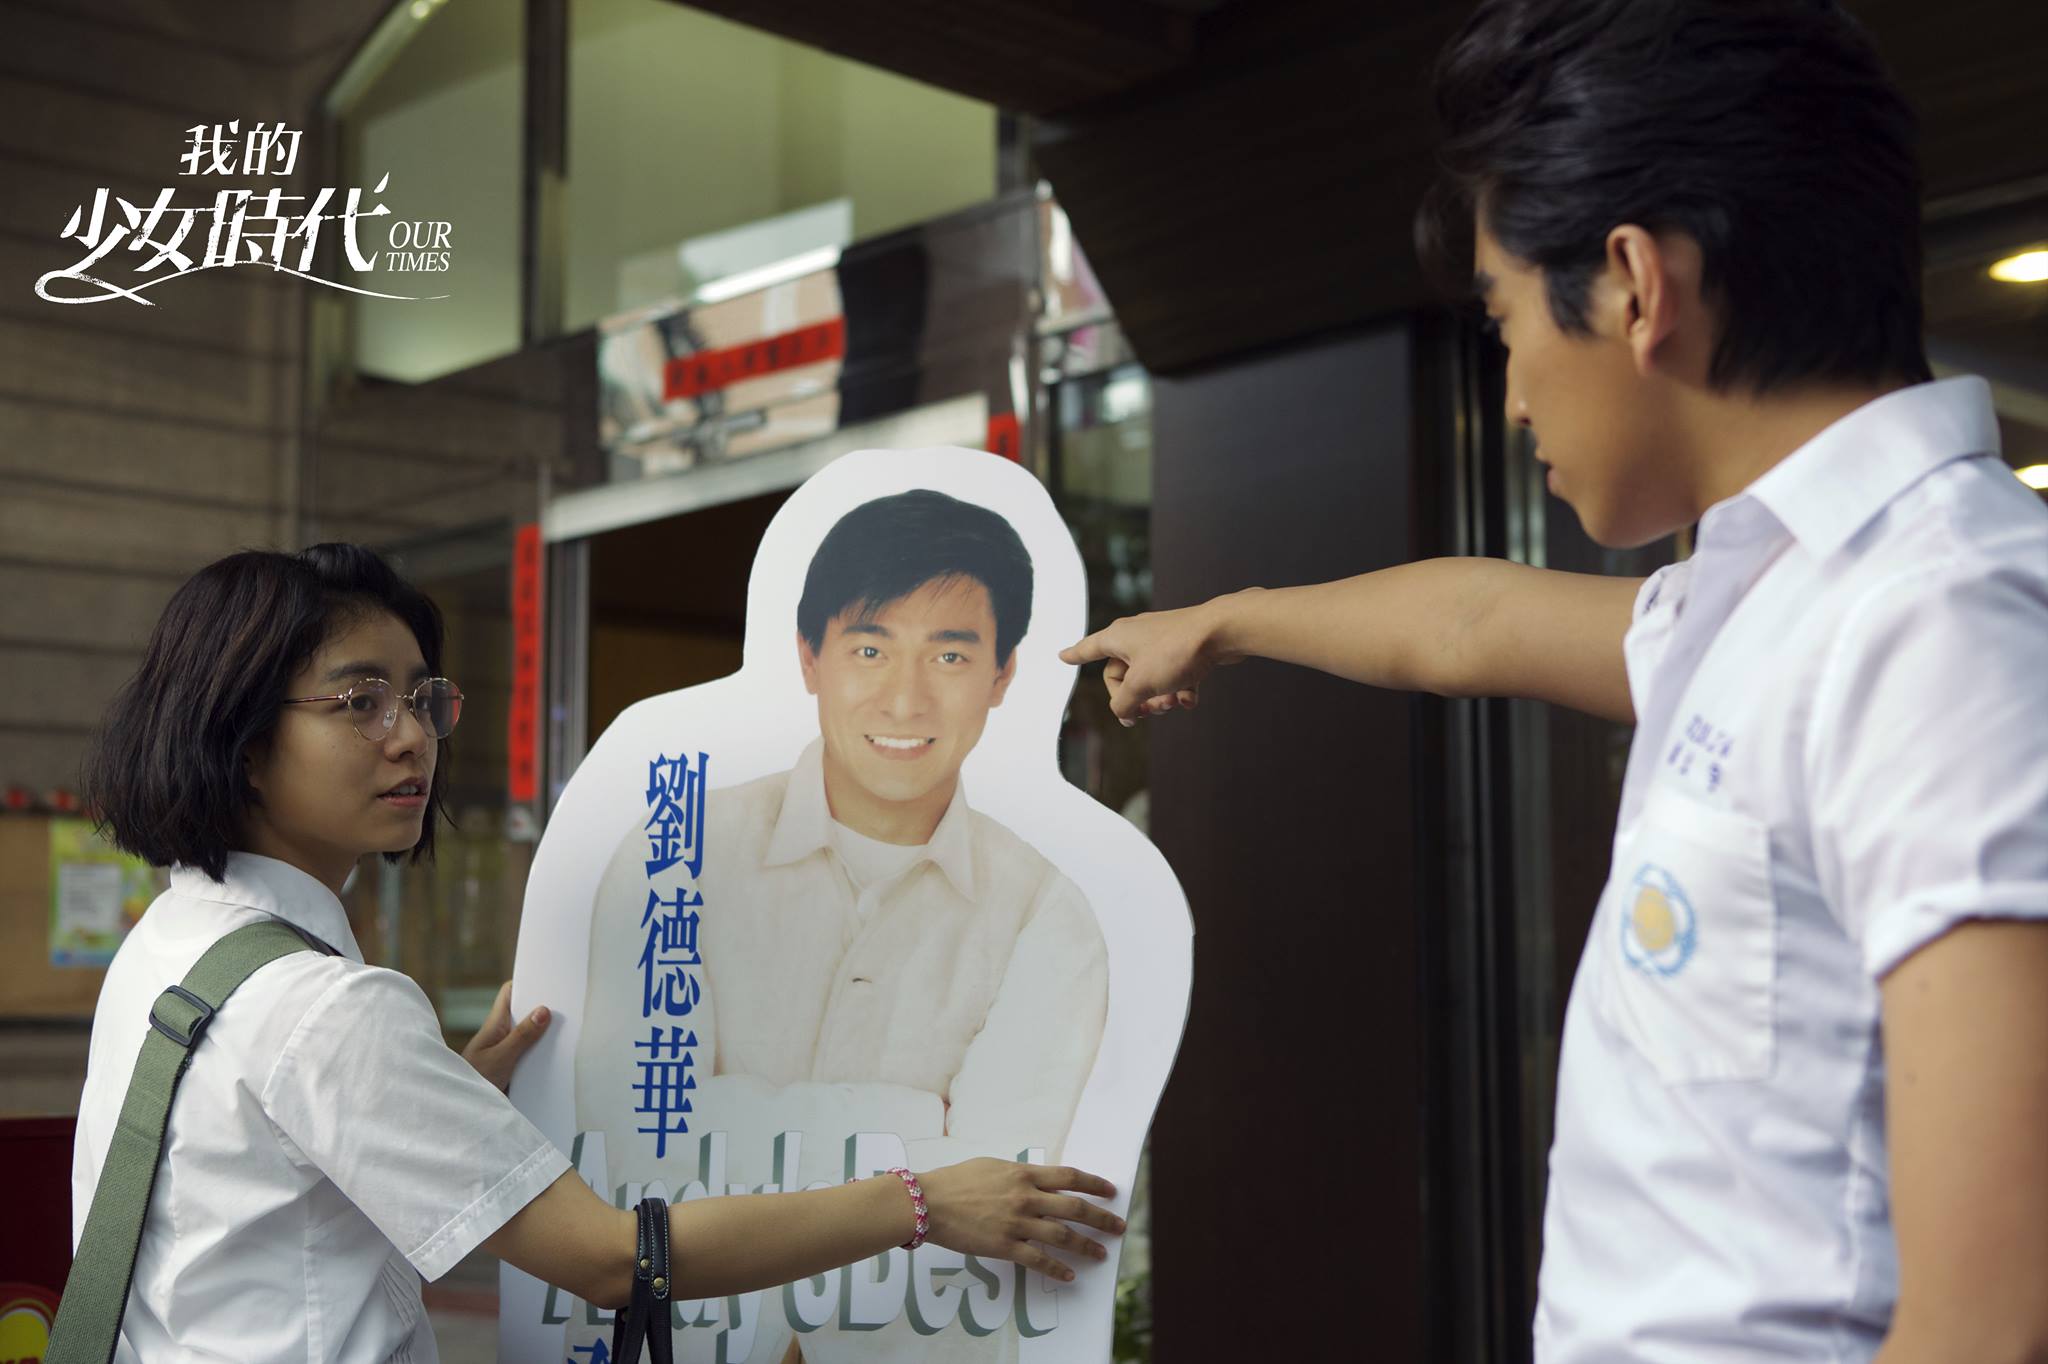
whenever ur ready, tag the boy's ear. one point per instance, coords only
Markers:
(1651, 282)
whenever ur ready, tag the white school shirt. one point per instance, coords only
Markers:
(326, 1148)
(1839, 757)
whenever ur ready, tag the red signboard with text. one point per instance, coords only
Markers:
(707, 371)
(1006, 437)
(522, 746)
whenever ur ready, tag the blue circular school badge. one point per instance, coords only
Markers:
(1658, 926)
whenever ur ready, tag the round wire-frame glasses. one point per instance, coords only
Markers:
(373, 706)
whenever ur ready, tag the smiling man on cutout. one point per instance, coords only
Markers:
(876, 955)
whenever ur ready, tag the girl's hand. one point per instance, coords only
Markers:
(498, 1045)
(1002, 1208)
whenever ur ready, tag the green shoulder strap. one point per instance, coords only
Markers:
(89, 1318)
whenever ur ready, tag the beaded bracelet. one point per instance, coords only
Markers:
(916, 1190)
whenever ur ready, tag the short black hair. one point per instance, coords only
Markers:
(884, 550)
(1766, 130)
(167, 779)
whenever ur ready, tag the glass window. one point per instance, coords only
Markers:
(700, 149)
(1101, 479)
(439, 75)
(452, 923)
(1565, 777)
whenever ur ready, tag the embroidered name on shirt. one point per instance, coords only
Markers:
(1702, 746)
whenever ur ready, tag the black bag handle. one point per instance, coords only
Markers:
(645, 1318)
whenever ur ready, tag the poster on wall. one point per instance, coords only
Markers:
(97, 892)
(840, 912)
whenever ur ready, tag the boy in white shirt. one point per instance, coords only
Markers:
(1804, 1081)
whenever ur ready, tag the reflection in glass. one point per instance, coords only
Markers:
(453, 228)
(1101, 479)
(1567, 773)
(684, 127)
(452, 923)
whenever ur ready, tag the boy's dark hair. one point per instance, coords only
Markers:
(1766, 130)
(884, 550)
(167, 777)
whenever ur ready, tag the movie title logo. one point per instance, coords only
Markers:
(164, 238)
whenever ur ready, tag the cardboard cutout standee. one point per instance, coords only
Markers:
(840, 912)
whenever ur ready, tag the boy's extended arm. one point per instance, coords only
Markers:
(1454, 627)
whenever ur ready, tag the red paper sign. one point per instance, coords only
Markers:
(707, 371)
(1006, 437)
(522, 739)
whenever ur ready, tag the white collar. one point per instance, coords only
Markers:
(1837, 483)
(804, 825)
(278, 889)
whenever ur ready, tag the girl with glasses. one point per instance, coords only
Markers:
(326, 1150)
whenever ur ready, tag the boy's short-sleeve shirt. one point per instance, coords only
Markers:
(1839, 757)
